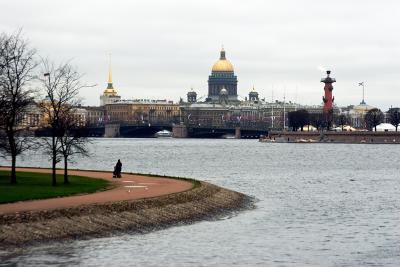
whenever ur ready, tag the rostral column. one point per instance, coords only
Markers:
(328, 98)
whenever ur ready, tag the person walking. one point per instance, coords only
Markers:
(118, 169)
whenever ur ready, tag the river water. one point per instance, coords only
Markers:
(318, 205)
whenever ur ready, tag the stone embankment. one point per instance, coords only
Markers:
(204, 201)
(334, 137)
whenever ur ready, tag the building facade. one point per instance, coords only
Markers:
(142, 111)
(95, 115)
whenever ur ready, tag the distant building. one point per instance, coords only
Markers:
(249, 112)
(95, 115)
(142, 110)
(80, 116)
(357, 114)
(32, 117)
(222, 108)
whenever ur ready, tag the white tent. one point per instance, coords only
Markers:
(308, 128)
(385, 127)
(346, 128)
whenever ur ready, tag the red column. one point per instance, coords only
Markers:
(328, 98)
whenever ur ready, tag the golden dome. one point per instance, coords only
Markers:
(223, 64)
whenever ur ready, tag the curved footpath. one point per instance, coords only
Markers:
(136, 204)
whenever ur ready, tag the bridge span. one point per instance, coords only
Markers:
(180, 130)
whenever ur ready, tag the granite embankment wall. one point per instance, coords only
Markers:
(206, 201)
(339, 137)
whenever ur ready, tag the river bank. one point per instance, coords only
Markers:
(98, 219)
(333, 137)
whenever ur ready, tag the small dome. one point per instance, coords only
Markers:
(362, 108)
(223, 64)
(223, 91)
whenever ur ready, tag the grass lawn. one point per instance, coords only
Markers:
(38, 186)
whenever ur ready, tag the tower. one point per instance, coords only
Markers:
(110, 94)
(328, 98)
(253, 95)
(191, 96)
(222, 76)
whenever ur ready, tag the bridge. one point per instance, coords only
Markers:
(180, 130)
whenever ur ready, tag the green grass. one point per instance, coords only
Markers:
(38, 186)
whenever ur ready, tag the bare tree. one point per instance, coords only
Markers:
(373, 118)
(74, 139)
(61, 84)
(293, 120)
(297, 119)
(394, 117)
(342, 120)
(317, 120)
(17, 63)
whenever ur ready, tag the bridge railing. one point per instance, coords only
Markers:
(145, 123)
(245, 125)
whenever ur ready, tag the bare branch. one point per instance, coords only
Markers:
(17, 63)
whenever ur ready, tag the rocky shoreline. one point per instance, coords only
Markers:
(204, 201)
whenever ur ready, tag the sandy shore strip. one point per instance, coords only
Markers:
(137, 204)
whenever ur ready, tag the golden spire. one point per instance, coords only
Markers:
(110, 91)
(109, 70)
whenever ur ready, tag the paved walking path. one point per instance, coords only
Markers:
(129, 187)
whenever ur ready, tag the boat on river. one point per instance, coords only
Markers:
(163, 133)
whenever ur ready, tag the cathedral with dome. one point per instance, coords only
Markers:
(222, 86)
(222, 82)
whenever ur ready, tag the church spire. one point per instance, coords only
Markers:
(110, 84)
(222, 57)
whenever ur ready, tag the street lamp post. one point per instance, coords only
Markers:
(47, 74)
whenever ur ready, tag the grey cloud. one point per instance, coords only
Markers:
(162, 48)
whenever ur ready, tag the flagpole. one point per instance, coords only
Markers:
(284, 109)
(363, 93)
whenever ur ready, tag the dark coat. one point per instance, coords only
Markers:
(118, 167)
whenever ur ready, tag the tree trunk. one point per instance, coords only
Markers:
(54, 162)
(13, 171)
(11, 142)
(66, 181)
(375, 128)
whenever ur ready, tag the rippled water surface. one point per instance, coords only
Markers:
(319, 204)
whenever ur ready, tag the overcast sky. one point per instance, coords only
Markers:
(160, 49)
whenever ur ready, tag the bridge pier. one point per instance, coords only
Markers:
(179, 131)
(111, 130)
(238, 133)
